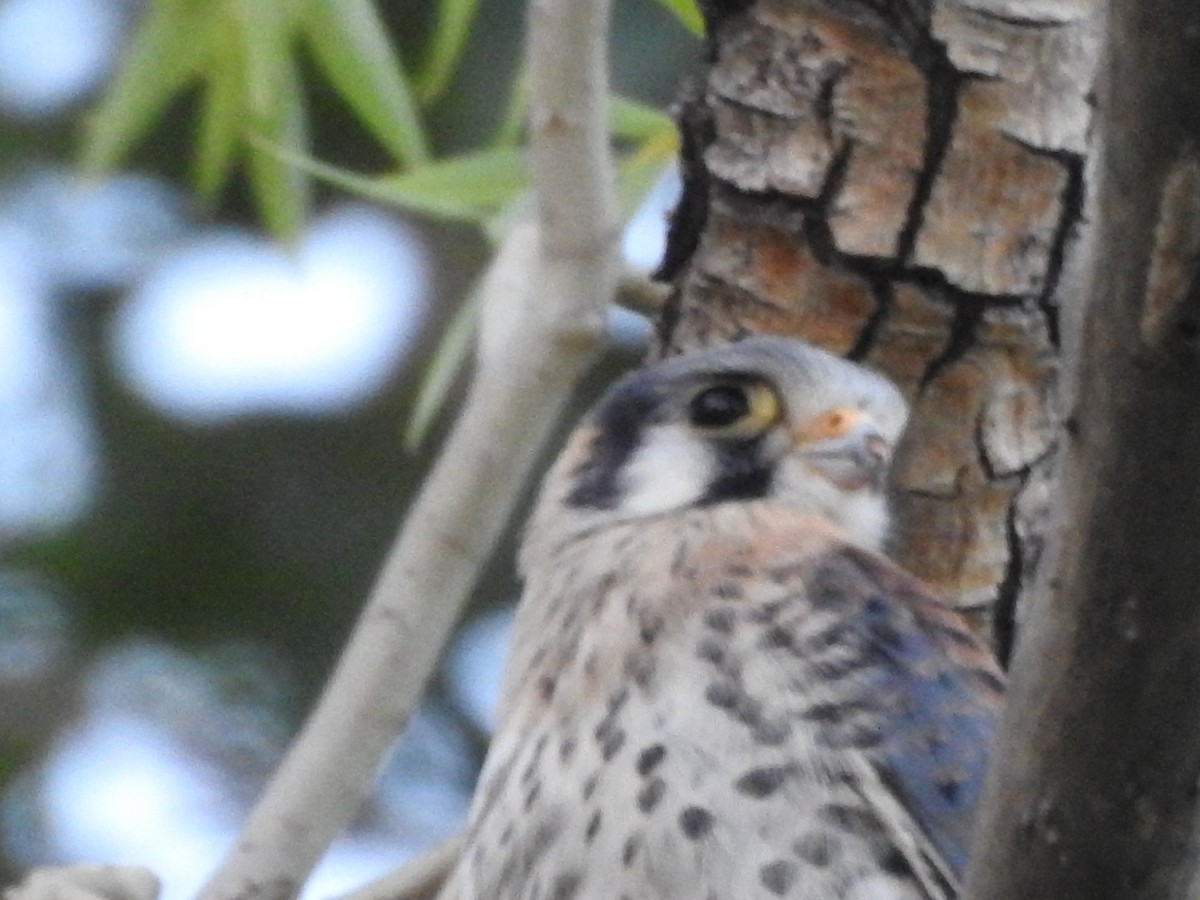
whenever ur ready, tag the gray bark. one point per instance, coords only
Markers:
(1093, 786)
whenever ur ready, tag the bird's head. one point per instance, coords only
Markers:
(764, 418)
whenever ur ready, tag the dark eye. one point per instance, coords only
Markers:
(719, 407)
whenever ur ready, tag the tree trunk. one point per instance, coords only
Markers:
(1092, 791)
(904, 184)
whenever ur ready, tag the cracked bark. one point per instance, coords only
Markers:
(1092, 793)
(903, 182)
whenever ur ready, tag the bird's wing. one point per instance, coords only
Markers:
(941, 690)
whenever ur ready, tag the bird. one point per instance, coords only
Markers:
(718, 685)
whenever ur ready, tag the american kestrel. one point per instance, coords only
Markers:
(718, 688)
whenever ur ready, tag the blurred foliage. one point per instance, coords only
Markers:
(688, 14)
(268, 529)
(243, 57)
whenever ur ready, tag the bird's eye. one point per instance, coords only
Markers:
(741, 410)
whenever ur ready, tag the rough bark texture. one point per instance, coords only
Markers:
(1093, 788)
(902, 181)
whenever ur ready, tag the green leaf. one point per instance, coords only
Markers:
(634, 121)
(352, 48)
(166, 52)
(264, 31)
(469, 186)
(466, 188)
(450, 359)
(280, 186)
(687, 13)
(509, 132)
(219, 133)
(449, 37)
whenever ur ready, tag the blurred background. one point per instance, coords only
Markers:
(201, 455)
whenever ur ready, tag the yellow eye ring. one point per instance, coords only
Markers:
(735, 409)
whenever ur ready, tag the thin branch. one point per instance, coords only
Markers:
(80, 882)
(542, 320)
(639, 293)
(418, 879)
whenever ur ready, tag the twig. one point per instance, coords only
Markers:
(418, 879)
(86, 882)
(545, 296)
(639, 293)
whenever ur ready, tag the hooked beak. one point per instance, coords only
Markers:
(845, 447)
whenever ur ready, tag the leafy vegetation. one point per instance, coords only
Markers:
(243, 59)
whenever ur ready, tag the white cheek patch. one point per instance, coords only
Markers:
(670, 470)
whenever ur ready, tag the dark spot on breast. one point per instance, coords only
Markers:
(566, 748)
(719, 620)
(842, 574)
(589, 786)
(531, 797)
(710, 651)
(650, 795)
(818, 848)
(617, 699)
(766, 613)
(630, 849)
(851, 819)
(649, 758)
(544, 837)
(508, 873)
(836, 635)
(650, 628)
(593, 827)
(891, 860)
(837, 669)
(534, 758)
(764, 781)
(721, 694)
(772, 732)
(606, 728)
(788, 574)
(830, 713)
(695, 822)
(639, 667)
(778, 876)
(545, 687)
(777, 638)
(565, 886)
(728, 590)
(612, 744)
